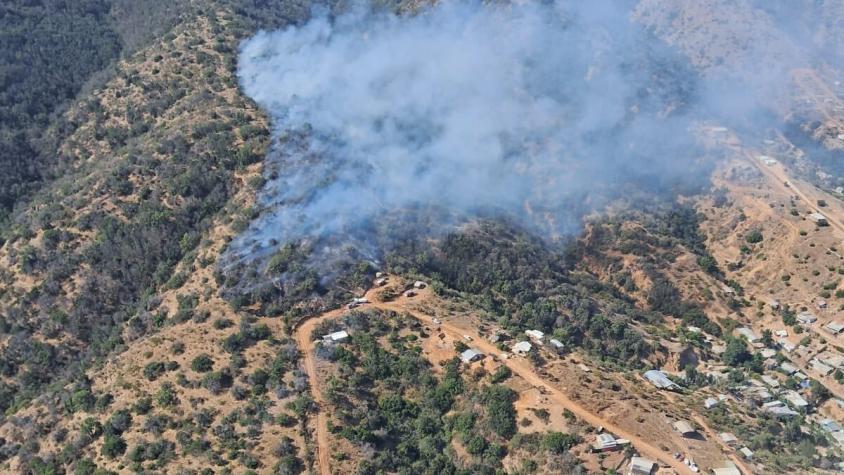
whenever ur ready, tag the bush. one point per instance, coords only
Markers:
(754, 236)
(559, 442)
(202, 363)
(113, 446)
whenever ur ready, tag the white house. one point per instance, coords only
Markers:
(818, 219)
(336, 336)
(535, 335)
(522, 347)
(806, 318)
(471, 355)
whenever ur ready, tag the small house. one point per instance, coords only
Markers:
(796, 400)
(746, 453)
(834, 327)
(381, 281)
(780, 412)
(660, 379)
(806, 318)
(604, 443)
(781, 333)
(819, 219)
(729, 468)
(471, 355)
(556, 343)
(830, 425)
(641, 466)
(522, 347)
(336, 336)
(748, 334)
(787, 346)
(820, 367)
(728, 439)
(710, 402)
(788, 368)
(684, 428)
(821, 304)
(535, 335)
(770, 381)
(419, 285)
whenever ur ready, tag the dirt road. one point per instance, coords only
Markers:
(519, 366)
(306, 345)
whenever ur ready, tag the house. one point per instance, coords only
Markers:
(781, 333)
(728, 290)
(767, 160)
(834, 327)
(471, 355)
(821, 304)
(641, 466)
(748, 334)
(684, 428)
(796, 400)
(830, 425)
(381, 281)
(584, 368)
(806, 318)
(336, 336)
(710, 402)
(820, 367)
(360, 300)
(728, 439)
(535, 335)
(419, 284)
(819, 219)
(729, 468)
(409, 293)
(660, 379)
(556, 343)
(693, 329)
(838, 437)
(780, 412)
(772, 382)
(604, 443)
(768, 353)
(788, 368)
(747, 453)
(787, 346)
(522, 347)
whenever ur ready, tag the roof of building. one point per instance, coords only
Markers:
(834, 327)
(535, 334)
(795, 399)
(788, 368)
(556, 343)
(337, 336)
(659, 379)
(726, 471)
(772, 382)
(817, 216)
(821, 367)
(710, 402)
(641, 465)
(748, 333)
(605, 441)
(522, 347)
(830, 425)
(470, 355)
(781, 411)
(838, 436)
(683, 427)
(746, 452)
(807, 317)
(727, 438)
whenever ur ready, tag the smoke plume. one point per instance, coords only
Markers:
(534, 113)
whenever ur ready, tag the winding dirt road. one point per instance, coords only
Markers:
(520, 366)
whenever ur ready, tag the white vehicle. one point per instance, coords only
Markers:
(467, 338)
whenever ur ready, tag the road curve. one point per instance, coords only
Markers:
(519, 366)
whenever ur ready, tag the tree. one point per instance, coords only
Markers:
(736, 352)
(113, 446)
(502, 415)
(559, 442)
(202, 363)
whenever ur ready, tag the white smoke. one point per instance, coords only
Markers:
(536, 113)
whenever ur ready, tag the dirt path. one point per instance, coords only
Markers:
(519, 366)
(306, 345)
